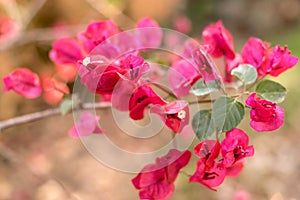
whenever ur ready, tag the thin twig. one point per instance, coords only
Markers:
(164, 89)
(185, 173)
(46, 113)
(202, 101)
(213, 100)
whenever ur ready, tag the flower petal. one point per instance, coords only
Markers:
(24, 82)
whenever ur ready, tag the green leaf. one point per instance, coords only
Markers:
(200, 88)
(271, 91)
(65, 106)
(227, 113)
(246, 73)
(202, 124)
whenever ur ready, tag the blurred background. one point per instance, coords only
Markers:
(40, 161)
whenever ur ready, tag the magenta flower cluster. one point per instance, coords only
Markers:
(123, 79)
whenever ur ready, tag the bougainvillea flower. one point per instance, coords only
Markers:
(135, 65)
(103, 79)
(236, 168)
(108, 79)
(86, 125)
(219, 40)
(204, 64)
(143, 96)
(208, 149)
(65, 51)
(209, 172)
(175, 114)
(181, 76)
(24, 82)
(122, 94)
(101, 57)
(254, 52)
(156, 181)
(189, 47)
(235, 147)
(53, 90)
(265, 115)
(148, 33)
(268, 61)
(97, 32)
(211, 176)
(279, 60)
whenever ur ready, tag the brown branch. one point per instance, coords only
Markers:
(213, 100)
(202, 101)
(56, 111)
(47, 113)
(164, 89)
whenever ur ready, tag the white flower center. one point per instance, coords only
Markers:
(86, 61)
(181, 114)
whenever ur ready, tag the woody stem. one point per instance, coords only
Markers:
(164, 89)
(46, 113)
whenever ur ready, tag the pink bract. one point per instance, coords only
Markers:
(204, 64)
(236, 168)
(181, 76)
(103, 79)
(209, 172)
(208, 149)
(255, 53)
(175, 115)
(265, 115)
(142, 96)
(156, 181)
(219, 40)
(24, 82)
(122, 94)
(190, 46)
(86, 125)
(135, 66)
(235, 147)
(65, 51)
(279, 60)
(97, 32)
